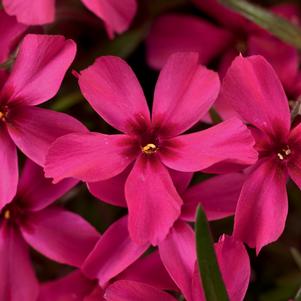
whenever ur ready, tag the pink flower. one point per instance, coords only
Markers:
(184, 93)
(36, 76)
(146, 278)
(122, 276)
(253, 89)
(29, 221)
(175, 32)
(120, 273)
(117, 15)
(218, 196)
(178, 255)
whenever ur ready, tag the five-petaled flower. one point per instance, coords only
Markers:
(184, 92)
(253, 89)
(36, 76)
(31, 220)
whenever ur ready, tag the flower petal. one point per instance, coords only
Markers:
(73, 287)
(35, 192)
(30, 12)
(9, 168)
(184, 93)
(60, 235)
(96, 295)
(117, 15)
(264, 198)
(218, 196)
(153, 202)
(191, 34)
(229, 142)
(283, 58)
(178, 255)
(234, 264)
(91, 157)
(235, 268)
(294, 162)
(124, 290)
(112, 89)
(181, 180)
(3, 77)
(113, 253)
(34, 129)
(255, 92)
(39, 69)
(111, 190)
(17, 278)
(10, 36)
(156, 275)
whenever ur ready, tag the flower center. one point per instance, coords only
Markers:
(149, 149)
(10, 213)
(7, 214)
(241, 46)
(3, 113)
(284, 153)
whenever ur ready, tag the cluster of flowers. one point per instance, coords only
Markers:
(149, 165)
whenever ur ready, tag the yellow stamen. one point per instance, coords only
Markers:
(3, 116)
(7, 214)
(149, 149)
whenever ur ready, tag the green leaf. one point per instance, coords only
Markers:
(276, 25)
(9, 62)
(211, 278)
(216, 118)
(66, 102)
(125, 44)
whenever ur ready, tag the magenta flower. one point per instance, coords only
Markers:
(235, 35)
(178, 255)
(36, 76)
(29, 221)
(120, 274)
(117, 15)
(184, 92)
(218, 196)
(253, 89)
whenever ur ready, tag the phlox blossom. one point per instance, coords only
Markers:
(36, 76)
(178, 255)
(114, 270)
(149, 146)
(175, 32)
(30, 219)
(253, 89)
